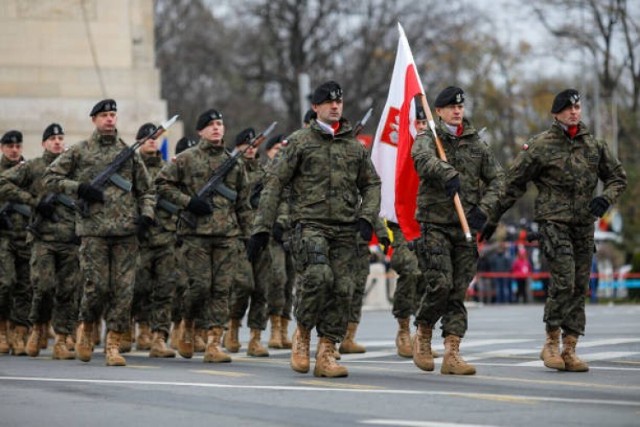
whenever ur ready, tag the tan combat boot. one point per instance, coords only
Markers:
(572, 362)
(4, 337)
(213, 352)
(159, 346)
(112, 355)
(255, 348)
(421, 353)
(143, 341)
(33, 343)
(84, 341)
(175, 335)
(275, 339)
(284, 331)
(126, 338)
(60, 350)
(550, 353)
(300, 350)
(453, 363)
(349, 344)
(403, 339)
(326, 365)
(96, 335)
(19, 340)
(200, 340)
(185, 343)
(231, 342)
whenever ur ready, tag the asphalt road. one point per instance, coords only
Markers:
(511, 388)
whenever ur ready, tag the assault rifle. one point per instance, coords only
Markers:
(362, 123)
(110, 173)
(215, 183)
(8, 207)
(51, 198)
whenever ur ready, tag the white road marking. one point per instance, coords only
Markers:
(407, 423)
(589, 357)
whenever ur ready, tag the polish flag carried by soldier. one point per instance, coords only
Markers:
(391, 153)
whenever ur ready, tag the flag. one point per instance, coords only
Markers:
(164, 149)
(391, 154)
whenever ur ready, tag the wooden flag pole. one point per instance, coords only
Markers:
(443, 156)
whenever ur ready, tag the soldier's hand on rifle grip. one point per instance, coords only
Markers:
(452, 186)
(47, 210)
(365, 229)
(199, 207)
(598, 206)
(90, 193)
(257, 243)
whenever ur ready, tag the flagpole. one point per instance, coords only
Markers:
(443, 156)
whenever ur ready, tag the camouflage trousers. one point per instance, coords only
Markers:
(448, 263)
(55, 276)
(404, 262)
(569, 250)
(280, 292)
(15, 285)
(360, 272)
(249, 290)
(155, 287)
(108, 270)
(324, 260)
(210, 263)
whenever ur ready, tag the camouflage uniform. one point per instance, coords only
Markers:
(409, 285)
(109, 247)
(447, 260)
(328, 175)
(211, 250)
(54, 255)
(15, 286)
(566, 173)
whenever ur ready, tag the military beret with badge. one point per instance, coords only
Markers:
(207, 117)
(52, 130)
(104, 106)
(12, 137)
(245, 136)
(327, 91)
(273, 141)
(420, 114)
(184, 143)
(145, 130)
(451, 95)
(565, 99)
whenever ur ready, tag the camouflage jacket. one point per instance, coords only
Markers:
(163, 232)
(469, 158)
(180, 181)
(18, 221)
(254, 175)
(117, 215)
(566, 173)
(328, 175)
(24, 184)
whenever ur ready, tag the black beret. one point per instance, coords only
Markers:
(12, 137)
(451, 95)
(564, 99)
(245, 136)
(207, 117)
(310, 114)
(273, 141)
(420, 114)
(145, 130)
(104, 106)
(184, 143)
(328, 91)
(52, 129)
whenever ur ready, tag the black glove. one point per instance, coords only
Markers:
(487, 231)
(199, 207)
(47, 210)
(365, 229)
(598, 206)
(452, 186)
(90, 193)
(385, 243)
(277, 232)
(257, 243)
(476, 218)
(144, 224)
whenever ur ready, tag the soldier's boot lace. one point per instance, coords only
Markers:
(4, 337)
(550, 353)
(403, 339)
(231, 341)
(213, 352)
(421, 350)
(255, 347)
(572, 362)
(143, 340)
(284, 332)
(33, 343)
(60, 350)
(19, 341)
(84, 343)
(326, 365)
(275, 338)
(113, 356)
(185, 343)
(349, 344)
(453, 363)
(159, 346)
(200, 340)
(300, 350)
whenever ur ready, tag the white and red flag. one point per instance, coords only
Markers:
(391, 153)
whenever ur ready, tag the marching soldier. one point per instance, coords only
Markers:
(107, 229)
(329, 172)
(565, 163)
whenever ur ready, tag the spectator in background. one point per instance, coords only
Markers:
(501, 263)
(521, 269)
(593, 281)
